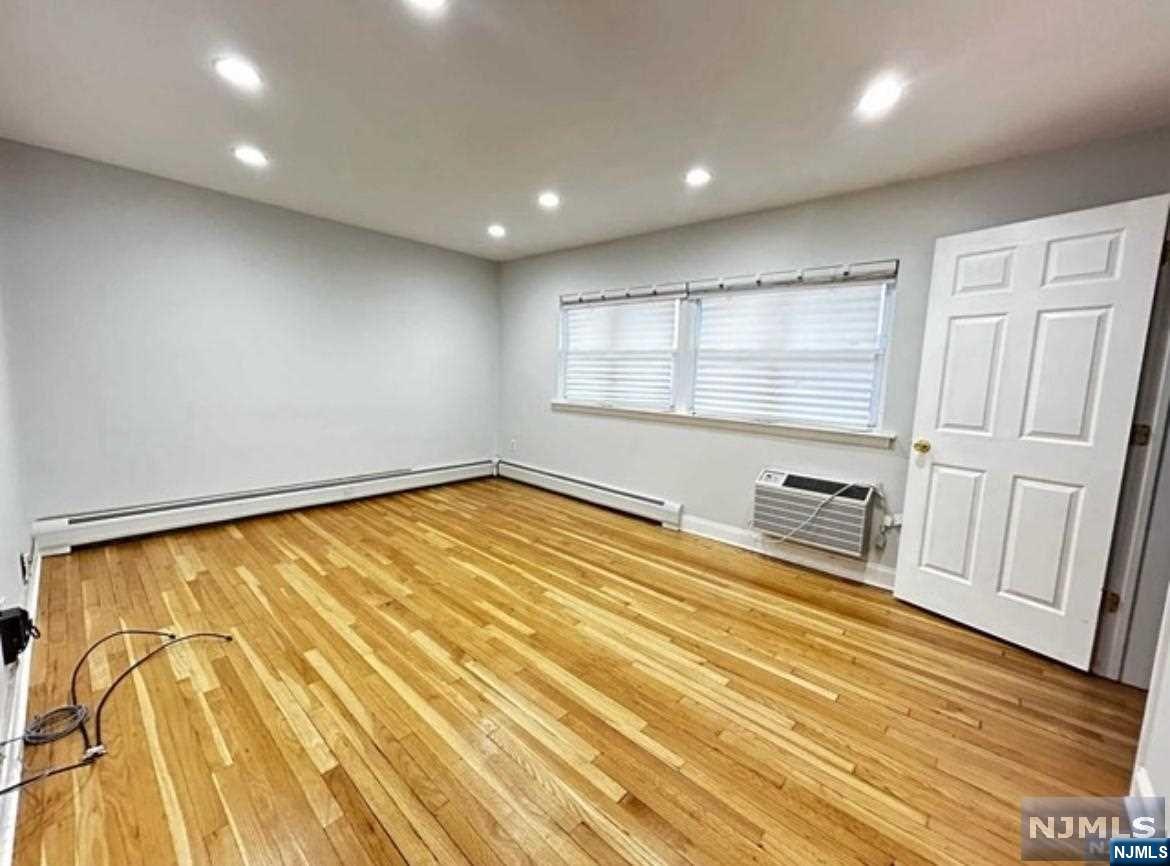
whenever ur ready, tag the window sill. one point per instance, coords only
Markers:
(868, 438)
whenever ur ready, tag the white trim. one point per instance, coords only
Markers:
(862, 571)
(868, 438)
(877, 409)
(641, 504)
(17, 684)
(686, 321)
(58, 534)
(1142, 786)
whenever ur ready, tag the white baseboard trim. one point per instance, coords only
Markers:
(863, 571)
(16, 683)
(643, 505)
(1141, 784)
(59, 534)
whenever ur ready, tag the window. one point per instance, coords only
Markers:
(620, 354)
(790, 353)
(793, 355)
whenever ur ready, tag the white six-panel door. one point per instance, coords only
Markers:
(1033, 348)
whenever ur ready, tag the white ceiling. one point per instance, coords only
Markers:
(434, 128)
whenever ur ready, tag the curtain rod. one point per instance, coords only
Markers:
(860, 272)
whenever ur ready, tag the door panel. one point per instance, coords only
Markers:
(989, 271)
(971, 372)
(1065, 371)
(1033, 347)
(1042, 520)
(1088, 257)
(956, 498)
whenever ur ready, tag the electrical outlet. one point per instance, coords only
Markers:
(513, 447)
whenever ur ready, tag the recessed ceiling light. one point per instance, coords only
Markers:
(549, 200)
(497, 231)
(239, 73)
(698, 176)
(430, 7)
(880, 96)
(250, 155)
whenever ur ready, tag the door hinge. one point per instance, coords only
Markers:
(1112, 602)
(1139, 434)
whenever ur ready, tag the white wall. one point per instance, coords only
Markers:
(168, 341)
(709, 470)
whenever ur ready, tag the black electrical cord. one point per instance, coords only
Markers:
(97, 716)
(56, 724)
(73, 702)
(59, 723)
(44, 774)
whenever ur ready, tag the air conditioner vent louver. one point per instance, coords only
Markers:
(786, 505)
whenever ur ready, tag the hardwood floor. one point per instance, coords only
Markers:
(486, 673)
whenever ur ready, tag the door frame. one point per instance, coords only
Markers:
(1135, 508)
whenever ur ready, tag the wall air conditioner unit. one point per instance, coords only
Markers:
(819, 512)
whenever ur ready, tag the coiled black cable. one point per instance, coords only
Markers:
(55, 724)
(58, 723)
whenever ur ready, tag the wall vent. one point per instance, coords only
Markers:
(818, 512)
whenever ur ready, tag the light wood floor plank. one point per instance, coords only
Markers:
(485, 674)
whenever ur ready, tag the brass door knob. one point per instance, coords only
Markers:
(921, 445)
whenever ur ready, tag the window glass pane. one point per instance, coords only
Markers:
(620, 354)
(803, 355)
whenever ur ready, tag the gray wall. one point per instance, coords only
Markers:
(168, 341)
(710, 470)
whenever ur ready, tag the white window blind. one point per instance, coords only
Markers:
(620, 354)
(800, 348)
(800, 355)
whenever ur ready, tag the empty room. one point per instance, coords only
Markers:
(584, 432)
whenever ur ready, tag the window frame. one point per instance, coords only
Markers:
(880, 355)
(563, 354)
(688, 324)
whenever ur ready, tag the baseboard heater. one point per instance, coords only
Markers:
(655, 508)
(58, 533)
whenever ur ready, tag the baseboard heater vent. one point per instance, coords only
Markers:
(57, 534)
(818, 512)
(655, 508)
